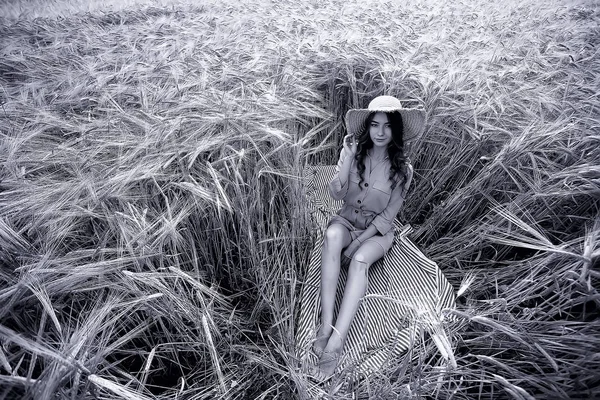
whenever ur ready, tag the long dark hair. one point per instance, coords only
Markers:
(395, 149)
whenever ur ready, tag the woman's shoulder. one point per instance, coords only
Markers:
(399, 171)
(403, 179)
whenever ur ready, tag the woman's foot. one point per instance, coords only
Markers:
(330, 357)
(320, 343)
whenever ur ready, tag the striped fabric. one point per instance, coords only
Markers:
(406, 293)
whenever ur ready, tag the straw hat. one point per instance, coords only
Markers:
(413, 119)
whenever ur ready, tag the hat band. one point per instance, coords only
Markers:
(385, 109)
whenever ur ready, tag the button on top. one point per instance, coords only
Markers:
(359, 201)
(356, 211)
(366, 185)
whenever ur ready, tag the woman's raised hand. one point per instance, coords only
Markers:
(350, 144)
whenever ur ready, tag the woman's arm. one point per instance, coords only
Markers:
(384, 221)
(344, 167)
(338, 187)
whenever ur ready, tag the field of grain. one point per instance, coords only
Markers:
(153, 229)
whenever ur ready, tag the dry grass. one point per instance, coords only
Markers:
(153, 228)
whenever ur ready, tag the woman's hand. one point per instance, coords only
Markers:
(351, 249)
(350, 145)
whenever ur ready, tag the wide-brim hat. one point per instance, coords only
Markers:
(413, 119)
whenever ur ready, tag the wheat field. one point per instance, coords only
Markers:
(154, 232)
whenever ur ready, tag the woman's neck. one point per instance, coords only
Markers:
(378, 153)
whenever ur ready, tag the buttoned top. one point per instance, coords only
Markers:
(373, 201)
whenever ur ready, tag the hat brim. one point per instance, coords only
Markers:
(413, 121)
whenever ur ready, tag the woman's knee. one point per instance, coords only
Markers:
(360, 263)
(334, 236)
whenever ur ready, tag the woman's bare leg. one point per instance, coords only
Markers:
(354, 291)
(336, 238)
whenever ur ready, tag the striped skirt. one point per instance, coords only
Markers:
(406, 293)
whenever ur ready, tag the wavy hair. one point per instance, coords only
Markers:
(395, 149)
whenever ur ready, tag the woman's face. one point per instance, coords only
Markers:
(380, 130)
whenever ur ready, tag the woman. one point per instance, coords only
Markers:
(372, 178)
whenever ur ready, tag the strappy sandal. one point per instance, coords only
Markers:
(317, 349)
